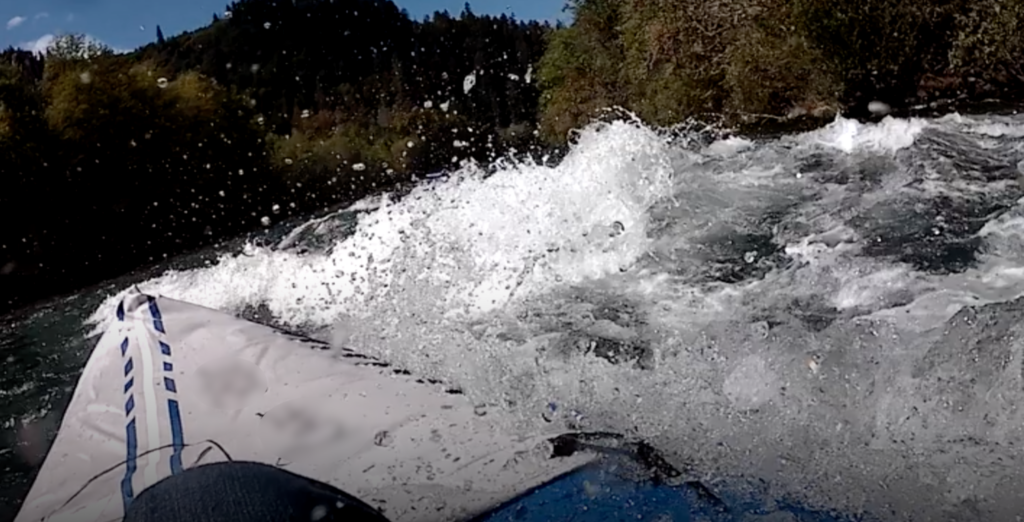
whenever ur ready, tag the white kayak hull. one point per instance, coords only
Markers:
(171, 385)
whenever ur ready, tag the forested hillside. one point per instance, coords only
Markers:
(746, 61)
(111, 162)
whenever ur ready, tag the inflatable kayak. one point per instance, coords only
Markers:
(171, 386)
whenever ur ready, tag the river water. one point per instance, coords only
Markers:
(833, 316)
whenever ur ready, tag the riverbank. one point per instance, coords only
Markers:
(112, 162)
(751, 62)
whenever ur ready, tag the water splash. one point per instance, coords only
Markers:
(774, 309)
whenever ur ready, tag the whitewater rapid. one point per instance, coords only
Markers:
(801, 313)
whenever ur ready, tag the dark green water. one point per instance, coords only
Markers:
(44, 349)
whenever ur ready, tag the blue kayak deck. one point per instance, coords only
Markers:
(597, 494)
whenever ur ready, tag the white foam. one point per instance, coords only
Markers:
(994, 126)
(1000, 130)
(729, 146)
(889, 135)
(867, 290)
(494, 237)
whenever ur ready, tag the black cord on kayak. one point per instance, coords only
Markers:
(143, 454)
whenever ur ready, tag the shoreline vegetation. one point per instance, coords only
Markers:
(114, 162)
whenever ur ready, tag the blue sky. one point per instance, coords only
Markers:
(126, 24)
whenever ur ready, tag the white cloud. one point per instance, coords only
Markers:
(43, 14)
(38, 45)
(15, 22)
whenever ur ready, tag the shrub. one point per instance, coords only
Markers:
(668, 60)
(26, 147)
(989, 41)
(140, 148)
(675, 54)
(881, 46)
(580, 72)
(771, 68)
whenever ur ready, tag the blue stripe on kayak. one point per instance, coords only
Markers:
(127, 494)
(131, 435)
(177, 437)
(158, 320)
(173, 409)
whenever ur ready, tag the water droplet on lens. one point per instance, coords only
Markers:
(617, 229)
(383, 439)
(319, 513)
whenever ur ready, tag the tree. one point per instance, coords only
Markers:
(76, 46)
(581, 70)
(193, 138)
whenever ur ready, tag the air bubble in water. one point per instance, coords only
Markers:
(469, 82)
(359, 167)
(265, 220)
